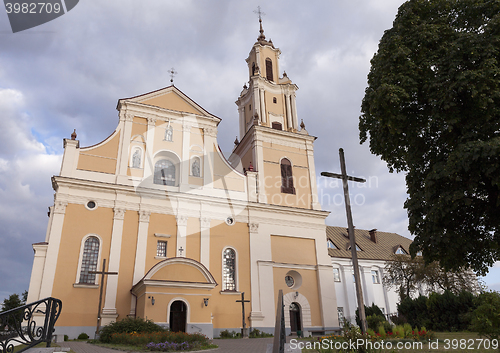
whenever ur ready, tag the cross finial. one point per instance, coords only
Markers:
(172, 73)
(260, 13)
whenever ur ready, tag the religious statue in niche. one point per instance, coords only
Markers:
(136, 159)
(195, 168)
(169, 132)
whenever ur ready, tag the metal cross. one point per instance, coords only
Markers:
(345, 178)
(259, 12)
(172, 74)
(101, 285)
(243, 301)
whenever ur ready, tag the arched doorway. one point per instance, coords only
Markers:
(295, 317)
(178, 313)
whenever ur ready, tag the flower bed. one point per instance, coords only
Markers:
(162, 341)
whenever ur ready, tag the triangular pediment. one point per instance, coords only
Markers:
(170, 98)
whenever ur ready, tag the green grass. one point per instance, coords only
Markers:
(445, 343)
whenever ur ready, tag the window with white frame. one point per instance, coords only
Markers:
(375, 277)
(330, 244)
(340, 313)
(400, 251)
(90, 257)
(336, 275)
(164, 173)
(161, 248)
(229, 270)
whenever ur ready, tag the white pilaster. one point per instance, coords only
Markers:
(243, 124)
(49, 271)
(288, 113)
(185, 163)
(140, 252)
(209, 135)
(263, 117)
(259, 164)
(256, 101)
(294, 113)
(259, 275)
(109, 310)
(328, 300)
(315, 205)
(205, 242)
(181, 235)
(150, 140)
(70, 157)
(123, 155)
(37, 272)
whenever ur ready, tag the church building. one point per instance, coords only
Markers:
(182, 230)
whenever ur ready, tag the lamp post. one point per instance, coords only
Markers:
(345, 178)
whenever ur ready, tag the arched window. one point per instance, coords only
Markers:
(164, 172)
(89, 260)
(286, 177)
(229, 269)
(269, 69)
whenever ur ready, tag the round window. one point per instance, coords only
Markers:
(229, 221)
(289, 281)
(91, 205)
(293, 279)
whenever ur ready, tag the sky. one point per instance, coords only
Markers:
(69, 74)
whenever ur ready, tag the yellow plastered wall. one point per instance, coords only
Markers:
(162, 224)
(196, 138)
(101, 158)
(197, 312)
(276, 108)
(267, 52)
(226, 311)
(139, 127)
(172, 101)
(175, 145)
(300, 171)
(300, 251)
(180, 273)
(309, 289)
(193, 239)
(80, 304)
(127, 262)
(224, 176)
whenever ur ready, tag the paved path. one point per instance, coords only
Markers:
(251, 345)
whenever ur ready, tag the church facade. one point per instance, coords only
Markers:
(184, 231)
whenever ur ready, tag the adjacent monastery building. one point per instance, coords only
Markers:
(185, 230)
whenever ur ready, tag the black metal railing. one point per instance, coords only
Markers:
(29, 325)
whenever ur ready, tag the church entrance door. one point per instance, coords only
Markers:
(295, 321)
(178, 313)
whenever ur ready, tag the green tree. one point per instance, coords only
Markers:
(486, 317)
(405, 273)
(12, 302)
(432, 110)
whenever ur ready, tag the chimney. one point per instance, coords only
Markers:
(373, 235)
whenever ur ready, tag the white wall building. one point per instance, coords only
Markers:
(374, 250)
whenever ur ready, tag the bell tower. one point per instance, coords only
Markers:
(271, 143)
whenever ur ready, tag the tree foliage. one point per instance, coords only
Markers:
(432, 110)
(486, 317)
(412, 275)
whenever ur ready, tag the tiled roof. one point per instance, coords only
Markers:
(383, 249)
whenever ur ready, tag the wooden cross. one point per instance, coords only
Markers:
(345, 178)
(101, 284)
(172, 73)
(243, 301)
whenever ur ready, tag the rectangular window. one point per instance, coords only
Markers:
(375, 277)
(340, 313)
(336, 275)
(161, 248)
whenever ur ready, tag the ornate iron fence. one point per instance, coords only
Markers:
(29, 324)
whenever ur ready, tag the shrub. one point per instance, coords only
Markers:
(128, 325)
(255, 333)
(66, 338)
(486, 317)
(387, 326)
(382, 332)
(227, 334)
(369, 311)
(142, 339)
(81, 336)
